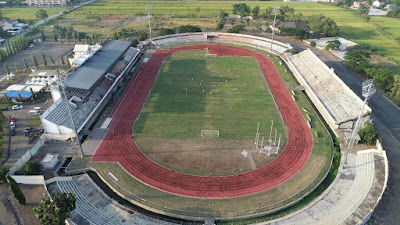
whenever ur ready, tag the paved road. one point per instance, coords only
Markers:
(386, 117)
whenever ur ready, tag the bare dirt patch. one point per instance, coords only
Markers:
(111, 19)
(209, 157)
(134, 20)
(382, 61)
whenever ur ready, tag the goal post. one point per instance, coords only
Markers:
(210, 133)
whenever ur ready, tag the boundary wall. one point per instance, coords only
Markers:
(27, 156)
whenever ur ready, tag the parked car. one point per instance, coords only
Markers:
(27, 131)
(13, 119)
(12, 125)
(12, 132)
(4, 108)
(16, 107)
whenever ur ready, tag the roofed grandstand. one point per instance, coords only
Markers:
(335, 98)
(259, 42)
(88, 87)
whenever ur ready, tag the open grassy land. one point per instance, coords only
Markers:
(27, 13)
(313, 172)
(115, 15)
(194, 93)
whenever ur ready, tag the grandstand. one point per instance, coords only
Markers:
(88, 87)
(339, 105)
(254, 41)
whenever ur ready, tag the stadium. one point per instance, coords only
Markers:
(217, 127)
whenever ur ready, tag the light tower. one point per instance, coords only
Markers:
(275, 10)
(148, 9)
(61, 82)
(368, 89)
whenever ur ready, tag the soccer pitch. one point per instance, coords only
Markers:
(194, 93)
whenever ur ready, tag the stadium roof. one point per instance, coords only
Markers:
(96, 67)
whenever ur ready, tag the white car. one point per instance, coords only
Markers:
(12, 125)
(15, 107)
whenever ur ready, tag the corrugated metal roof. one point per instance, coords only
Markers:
(96, 67)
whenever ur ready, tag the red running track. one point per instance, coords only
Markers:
(118, 146)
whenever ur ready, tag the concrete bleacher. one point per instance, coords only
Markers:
(345, 202)
(93, 206)
(341, 103)
(81, 110)
(259, 42)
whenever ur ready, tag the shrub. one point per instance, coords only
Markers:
(313, 43)
(188, 29)
(236, 29)
(165, 31)
(368, 133)
(31, 167)
(3, 172)
(294, 51)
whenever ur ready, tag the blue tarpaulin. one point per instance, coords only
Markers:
(14, 94)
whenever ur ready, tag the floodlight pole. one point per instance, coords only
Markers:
(368, 89)
(148, 10)
(275, 10)
(62, 84)
(270, 134)
(258, 127)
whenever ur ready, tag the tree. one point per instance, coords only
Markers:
(41, 14)
(19, 97)
(335, 44)
(16, 190)
(134, 42)
(35, 61)
(52, 60)
(294, 51)
(6, 69)
(368, 133)
(382, 77)
(256, 11)
(242, 9)
(44, 60)
(31, 167)
(25, 64)
(188, 29)
(16, 67)
(320, 24)
(42, 36)
(3, 171)
(57, 210)
(236, 29)
(68, 63)
(62, 60)
(396, 87)
(166, 31)
(357, 60)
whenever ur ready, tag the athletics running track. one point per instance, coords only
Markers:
(118, 146)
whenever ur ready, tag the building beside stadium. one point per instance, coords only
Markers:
(88, 89)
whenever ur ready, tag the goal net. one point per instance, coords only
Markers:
(210, 55)
(210, 133)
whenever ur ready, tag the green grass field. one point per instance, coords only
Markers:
(235, 98)
(194, 93)
(27, 13)
(313, 172)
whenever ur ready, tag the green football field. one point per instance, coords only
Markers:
(194, 93)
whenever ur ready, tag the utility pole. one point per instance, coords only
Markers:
(368, 89)
(61, 82)
(148, 9)
(275, 10)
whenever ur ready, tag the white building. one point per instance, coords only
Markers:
(82, 53)
(378, 4)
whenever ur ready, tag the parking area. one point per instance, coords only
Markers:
(49, 48)
(19, 143)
